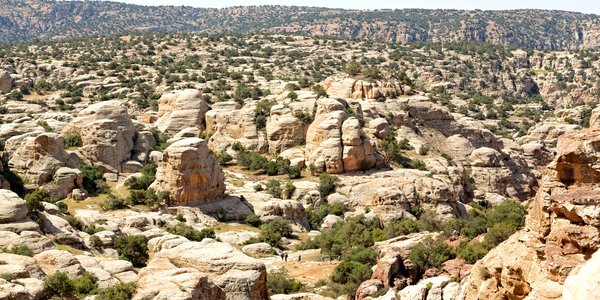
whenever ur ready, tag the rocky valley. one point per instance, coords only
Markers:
(267, 166)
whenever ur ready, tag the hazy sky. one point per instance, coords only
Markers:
(586, 6)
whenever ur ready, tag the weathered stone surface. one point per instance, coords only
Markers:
(284, 130)
(12, 207)
(336, 143)
(228, 123)
(179, 110)
(202, 270)
(39, 157)
(561, 229)
(58, 260)
(345, 87)
(189, 173)
(107, 133)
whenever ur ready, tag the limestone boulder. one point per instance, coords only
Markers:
(189, 173)
(181, 109)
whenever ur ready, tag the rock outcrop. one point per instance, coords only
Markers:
(335, 142)
(189, 173)
(179, 110)
(228, 123)
(107, 133)
(38, 158)
(346, 87)
(561, 233)
(202, 270)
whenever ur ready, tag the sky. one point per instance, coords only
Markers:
(585, 6)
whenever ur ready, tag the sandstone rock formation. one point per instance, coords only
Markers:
(228, 123)
(202, 270)
(107, 133)
(561, 230)
(335, 142)
(181, 109)
(346, 87)
(189, 173)
(284, 130)
(38, 158)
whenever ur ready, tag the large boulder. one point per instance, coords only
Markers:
(37, 158)
(228, 123)
(284, 130)
(189, 173)
(179, 110)
(12, 207)
(335, 142)
(202, 270)
(107, 133)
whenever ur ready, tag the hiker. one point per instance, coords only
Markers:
(285, 256)
(330, 258)
(322, 258)
(282, 255)
(299, 257)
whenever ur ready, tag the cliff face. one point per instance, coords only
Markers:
(25, 20)
(561, 234)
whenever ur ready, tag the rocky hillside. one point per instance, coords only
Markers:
(195, 166)
(26, 20)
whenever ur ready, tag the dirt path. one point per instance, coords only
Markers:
(308, 271)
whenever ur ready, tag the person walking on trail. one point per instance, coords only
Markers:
(282, 256)
(330, 258)
(322, 258)
(285, 256)
(299, 257)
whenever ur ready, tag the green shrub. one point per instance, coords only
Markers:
(354, 233)
(113, 203)
(350, 274)
(262, 111)
(327, 184)
(73, 140)
(133, 248)
(19, 250)
(95, 242)
(93, 182)
(59, 284)
(294, 173)
(272, 232)
(430, 253)
(121, 291)
(85, 284)
(274, 188)
(252, 161)
(143, 182)
(471, 252)
(399, 228)
(315, 215)
(190, 233)
(253, 220)
(288, 190)
(33, 201)
(224, 158)
(8, 277)
(279, 282)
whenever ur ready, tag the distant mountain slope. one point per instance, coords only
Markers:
(26, 20)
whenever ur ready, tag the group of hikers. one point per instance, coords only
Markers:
(284, 257)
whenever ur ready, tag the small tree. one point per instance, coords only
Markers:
(133, 248)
